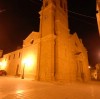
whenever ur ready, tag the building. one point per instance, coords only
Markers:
(98, 14)
(98, 71)
(95, 72)
(52, 53)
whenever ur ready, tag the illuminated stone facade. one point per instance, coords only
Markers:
(98, 14)
(52, 53)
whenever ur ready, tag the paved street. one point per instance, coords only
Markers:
(17, 88)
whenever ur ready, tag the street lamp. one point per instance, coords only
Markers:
(27, 63)
(23, 71)
(89, 67)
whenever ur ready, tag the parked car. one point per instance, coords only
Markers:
(3, 72)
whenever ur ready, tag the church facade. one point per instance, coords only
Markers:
(52, 54)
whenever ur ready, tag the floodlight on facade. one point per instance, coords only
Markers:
(3, 64)
(28, 64)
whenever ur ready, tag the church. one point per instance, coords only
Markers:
(52, 54)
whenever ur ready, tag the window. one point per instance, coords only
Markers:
(46, 3)
(31, 41)
(54, 2)
(76, 44)
(14, 56)
(9, 57)
(61, 3)
(19, 54)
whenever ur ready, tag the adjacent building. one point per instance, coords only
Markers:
(52, 53)
(98, 14)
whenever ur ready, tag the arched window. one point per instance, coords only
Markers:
(46, 3)
(9, 57)
(14, 56)
(61, 3)
(54, 2)
(19, 54)
(31, 41)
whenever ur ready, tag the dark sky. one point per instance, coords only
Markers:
(21, 17)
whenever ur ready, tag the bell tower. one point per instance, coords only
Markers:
(54, 40)
(51, 12)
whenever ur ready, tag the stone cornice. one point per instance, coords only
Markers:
(48, 37)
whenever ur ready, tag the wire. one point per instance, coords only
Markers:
(81, 14)
(70, 11)
(84, 21)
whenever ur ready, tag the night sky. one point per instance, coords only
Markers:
(20, 17)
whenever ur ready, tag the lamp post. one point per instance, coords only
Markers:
(26, 63)
(23, 71)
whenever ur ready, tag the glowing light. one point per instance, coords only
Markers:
(28, 61)
(0, 63)
(19, 91)
(89, 67)
(3, 64)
